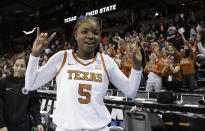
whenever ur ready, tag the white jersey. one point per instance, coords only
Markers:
(81, 88)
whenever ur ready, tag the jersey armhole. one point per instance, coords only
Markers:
(63, 62)
(103, 62)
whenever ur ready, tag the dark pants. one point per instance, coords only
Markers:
(188, 82)
(24, 126)
(174, 86)
(19, 129)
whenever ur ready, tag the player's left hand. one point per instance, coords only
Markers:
(136, 57)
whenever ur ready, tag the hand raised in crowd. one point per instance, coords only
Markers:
(4, 129)
(40, 128)
(137, 39)
(198, 38)
(41, 42)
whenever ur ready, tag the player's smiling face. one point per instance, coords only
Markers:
(87, 36)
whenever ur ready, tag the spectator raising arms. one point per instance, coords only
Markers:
(186, 58)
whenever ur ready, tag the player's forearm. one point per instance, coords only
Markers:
(31, 72)
(134, 82)
(128, 86)
(35, 77)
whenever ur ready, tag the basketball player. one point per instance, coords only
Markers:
(82, 77)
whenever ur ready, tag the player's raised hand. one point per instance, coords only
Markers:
(41, 42)
(136, 57)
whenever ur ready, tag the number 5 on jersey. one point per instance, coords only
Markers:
(83, 93)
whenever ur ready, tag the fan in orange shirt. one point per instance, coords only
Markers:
(173, 74)
(186, 58)
(193, 45)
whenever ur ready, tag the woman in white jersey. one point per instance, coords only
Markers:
(82, 77)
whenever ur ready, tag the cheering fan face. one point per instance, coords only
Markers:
(19, 68)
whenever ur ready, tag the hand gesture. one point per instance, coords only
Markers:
(4, 129)
(137, 39)
(41, 42)
(136, 57)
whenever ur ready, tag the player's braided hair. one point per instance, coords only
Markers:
(80, 21)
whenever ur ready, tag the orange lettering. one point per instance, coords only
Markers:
(77, 75)
(70, 74)
(85, 75)
(92, 77)
(82, 93)
(99, 76)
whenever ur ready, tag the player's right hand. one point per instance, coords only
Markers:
(41, 42)
(4, 129)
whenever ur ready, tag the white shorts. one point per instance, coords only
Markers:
(101, 129)
(153, 86)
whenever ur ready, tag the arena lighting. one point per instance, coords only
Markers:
(93, 12)
(29, 32)
(181, 15)
(81, 16)
(156, 14)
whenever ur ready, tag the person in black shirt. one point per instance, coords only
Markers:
(18, 111)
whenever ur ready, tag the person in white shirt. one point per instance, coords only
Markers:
(82, 77)
(154, 68)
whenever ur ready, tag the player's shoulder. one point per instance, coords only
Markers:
(109, 62)
(107, 58)
(59, 56)
(62, 53)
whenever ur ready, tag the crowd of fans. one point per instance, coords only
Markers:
(171, 52)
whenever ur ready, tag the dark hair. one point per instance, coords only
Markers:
(176, 60)
(13, 60)
(80, 21)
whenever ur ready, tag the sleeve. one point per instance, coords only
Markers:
(128, 86)
(34, 107)
(2, 123)
(35, 77)
(160, 66)
(200, 48)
